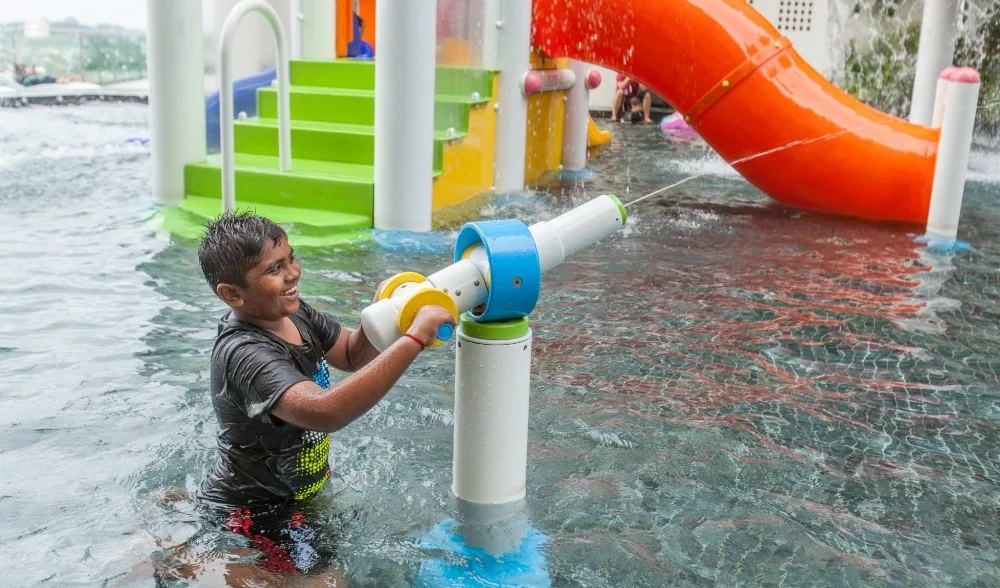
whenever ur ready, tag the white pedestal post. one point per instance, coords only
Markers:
(176, 65)
(937, 48)
(492, 380)
(404, 113)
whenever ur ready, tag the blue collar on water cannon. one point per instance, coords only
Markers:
(515, 279)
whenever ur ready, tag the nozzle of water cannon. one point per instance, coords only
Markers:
(497, 270)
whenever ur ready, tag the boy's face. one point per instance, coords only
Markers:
(272, 291)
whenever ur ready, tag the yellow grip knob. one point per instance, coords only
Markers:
(429, 297)
(390, 285)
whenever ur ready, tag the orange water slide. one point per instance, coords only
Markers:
(749, 94)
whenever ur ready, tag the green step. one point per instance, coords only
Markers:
(350, 106)
(461, 81)
(313, 219)
(321, 105)
(306, 228)
(334, 142)
(314, 185)
(343, 74)
(360, 75)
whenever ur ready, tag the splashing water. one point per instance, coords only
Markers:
(784, 147)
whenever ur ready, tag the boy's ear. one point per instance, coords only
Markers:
(230, 294)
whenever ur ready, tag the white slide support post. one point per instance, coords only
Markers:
(176, 66)
(958, 124)
(404, 114)
(575, 119)
(937, 48)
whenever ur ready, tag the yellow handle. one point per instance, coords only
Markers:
(390, 285)
(429, 297)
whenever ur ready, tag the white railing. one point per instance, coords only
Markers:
(284, 127)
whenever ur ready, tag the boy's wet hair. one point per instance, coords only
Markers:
(233, 244)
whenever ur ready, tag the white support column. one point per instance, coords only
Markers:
(404, 113)
(575, 118)
(176, 65)
(492, 380)
(958, 124)
(514, 52)
(295, 30)
(318, 29)
(937, 49)
(491, 34)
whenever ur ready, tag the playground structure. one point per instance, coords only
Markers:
(367, 144)
(341, 146)
(447, 114)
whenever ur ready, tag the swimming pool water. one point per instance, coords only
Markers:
(727, 392)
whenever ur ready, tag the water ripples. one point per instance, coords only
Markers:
(728, 391)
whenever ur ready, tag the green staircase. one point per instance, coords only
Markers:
(330, 189)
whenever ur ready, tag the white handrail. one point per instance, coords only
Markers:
(284, 127)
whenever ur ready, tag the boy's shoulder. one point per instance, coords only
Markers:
(233, 332)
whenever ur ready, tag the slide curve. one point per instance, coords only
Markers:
(749, 94)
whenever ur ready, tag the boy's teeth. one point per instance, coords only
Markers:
(290, 291)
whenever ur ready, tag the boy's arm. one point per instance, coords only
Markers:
(352, 351)
(308, 406)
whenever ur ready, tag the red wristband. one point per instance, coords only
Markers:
(421, 343)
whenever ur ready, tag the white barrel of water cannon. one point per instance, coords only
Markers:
(465, 285)
(577, 229)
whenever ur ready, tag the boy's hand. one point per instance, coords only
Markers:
(428, 319)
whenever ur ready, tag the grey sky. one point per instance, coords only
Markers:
(128, 13)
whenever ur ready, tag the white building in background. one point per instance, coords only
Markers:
(37, 29)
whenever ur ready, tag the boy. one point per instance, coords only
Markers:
(271, 389)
